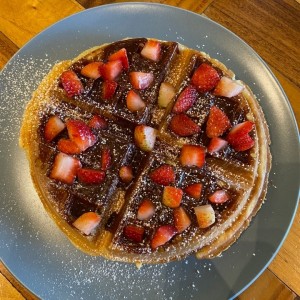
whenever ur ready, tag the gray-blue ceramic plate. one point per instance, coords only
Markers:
(42, 258)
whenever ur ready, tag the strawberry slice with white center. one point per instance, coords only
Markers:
(219, 196)
(71, 83)
(111, 70)
(146, 210)
(90, 176)
(141, 80)
(81, 134)
(92, 70)
(67, 146)
(216, 144)
(53, 127)
(98, 122)
(105, 159)
(181, 219)
(87, 222)
(126, 174)
(183, 125)
(185, 100)
(227, 87)
(192, 155)
(194, 190)
(217, 122)
(145, 137)
(163, 235)
(109, 88)
(134, 102)
(163, 175)
(205, 215)
(120, 55)
(166, 94)
(172, 196)
(134, 233)
(65, 168)
(152, 50)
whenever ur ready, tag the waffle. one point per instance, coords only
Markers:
(146, 151)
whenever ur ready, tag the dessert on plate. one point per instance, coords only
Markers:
(146, 151)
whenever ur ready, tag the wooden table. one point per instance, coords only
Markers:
(271, 27)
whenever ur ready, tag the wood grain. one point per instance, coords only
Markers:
(7, 49)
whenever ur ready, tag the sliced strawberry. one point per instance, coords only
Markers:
(134, 233)
(205, 215)
(227, 87)
(92, 70)
(182, 125)
(111, 70)
(172, 196)
(81, 134)
(194, 190)
(109, 88)
(205, 78)
(97, 122)
(71, 83)
(90, 176)
(181, 219)
(217, 122)
(145, 137)
(105, 159)
(126, 174)
(146, 210)
(163, 175)
(53, 127)
(162, 235)
(67, 146)
(134, 101)
(192, 155)
(219, 196)
(141, 80)
(185, 100)
(216, 144)
(151, 50)
(87, 222)
(122, 56)
(166, 94)
(65, 168)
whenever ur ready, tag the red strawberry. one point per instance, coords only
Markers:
(151, 50)
(105, 159)
(71, 83)
(92, 70)
(185, 100)
(216, 144)
(194, 190)
(90, 176)
(144, 137)
(219, 196)
(134, 233)
(134, 101)
(205, 78)
(111, 70)
(182, 125)
(141, 80)
(126, 174)
(162, 235)
(228, 88)
(87, 222)
(122, 56)
(172, 196)
(181, 219)
(109, 88)
(192, 155)
(166, 94)
(97, 122)
(53, 127)
(217, 122)
(65, 168)
(205, 215)
(67, 146)
(163, 175)
(146, 210)
(81, 134)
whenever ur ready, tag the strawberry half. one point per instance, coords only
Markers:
(185, 100)
(141, 80)
(109, 88)
(172, 196)
(163, 175)
(181, 219)
(146, 210)
(162, 235)
(227, 87)
(205, 78)
(71, 83)
(92, 70)
(217, 122)
(219, 196)
(90, 176)
(166, 94)
(144, 137)
(192, 155)
(53, 127)
(120, 55)
(205, 215)
(87, 222)
(111, 70)
(216, 144)
(126, 174)
(182, 125)
(134, 233)
(134, 102)
(67, 146)
(97, 122)
(105, 159)
(151, 50)
(194, 190)
(65, 168)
